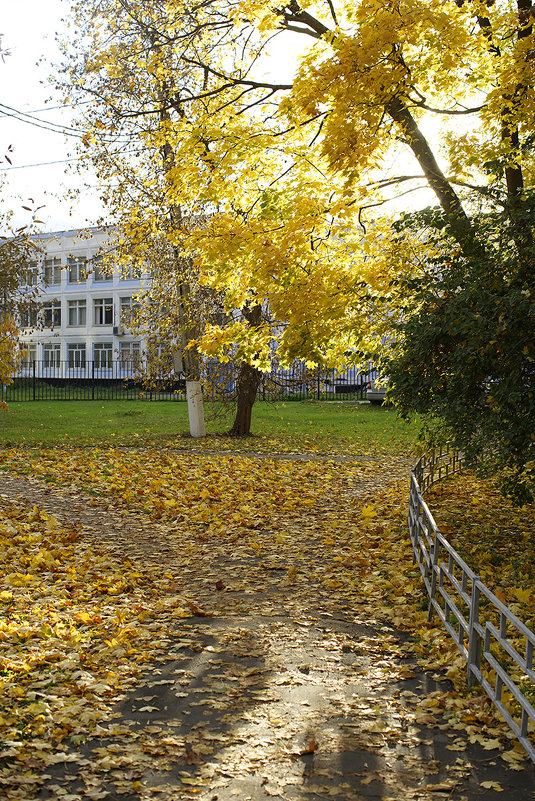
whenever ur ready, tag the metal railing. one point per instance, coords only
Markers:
(117, 379)
(497, 646)
(90, 380)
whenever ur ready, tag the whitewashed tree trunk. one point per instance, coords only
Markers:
(195, 409)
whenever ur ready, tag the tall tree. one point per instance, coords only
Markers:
(296, 176)
(463, 355)
(139, 73)
(18, 295)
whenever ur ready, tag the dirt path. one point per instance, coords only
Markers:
(286, 691)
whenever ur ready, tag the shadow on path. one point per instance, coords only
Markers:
(284, 693)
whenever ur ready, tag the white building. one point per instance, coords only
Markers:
(83, 322)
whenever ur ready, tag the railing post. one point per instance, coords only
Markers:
(33, 381)
(413, 516)
(474, 639)
(93, 380)
(433, 582)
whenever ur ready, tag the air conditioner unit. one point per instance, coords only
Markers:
(118, 331)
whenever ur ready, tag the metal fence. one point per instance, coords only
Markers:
(89, 380)
(497, 646)
(122, 380)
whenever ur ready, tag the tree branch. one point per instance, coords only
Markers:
(333, 13)
(424, 106)
(236, 81)
(450, 203)
(293, 13)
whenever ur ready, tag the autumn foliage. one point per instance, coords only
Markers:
(79, 623)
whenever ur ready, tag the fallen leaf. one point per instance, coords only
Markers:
(492, 786)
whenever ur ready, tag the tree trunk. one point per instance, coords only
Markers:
(248, 383)
(398, 110)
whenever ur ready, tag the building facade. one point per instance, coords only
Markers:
(84, 312)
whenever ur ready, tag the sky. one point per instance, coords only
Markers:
(40, 158)
(43, 160)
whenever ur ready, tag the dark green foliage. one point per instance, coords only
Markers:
(464, 355)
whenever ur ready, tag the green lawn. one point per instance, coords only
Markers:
(308, 425)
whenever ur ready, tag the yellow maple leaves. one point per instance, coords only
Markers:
(71, 630)
(368, 513)
(273, 189)
(10, 353)
(104, 613)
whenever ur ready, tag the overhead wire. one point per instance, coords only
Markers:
(46, 126)
(13, 112)
(63, 105)
(52, 127)
(60, 161)
(39, 164)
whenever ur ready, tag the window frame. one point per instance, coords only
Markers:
(133, 349)
(31, 274)
(54, 267)
(54, 307)
(128, 310)
(98, 276)
(103, 349)
(78, 304)
(51, 349)
(28, 359)
(72, 349)
(103, 309)
(28, 317)
(77, 265)
(128, 275)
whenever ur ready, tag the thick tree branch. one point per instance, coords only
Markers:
(333, 13)
(450, 203)
(293, 14)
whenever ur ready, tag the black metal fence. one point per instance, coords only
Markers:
(120, 380)
(302, 383)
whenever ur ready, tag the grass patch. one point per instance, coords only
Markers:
(315, 426)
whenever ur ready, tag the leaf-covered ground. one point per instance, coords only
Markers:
(496, 538)
(221, 626)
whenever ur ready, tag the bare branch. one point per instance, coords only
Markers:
(294, 29)
(392, 181)
(424, 106)
(333, 13)
(233, 81)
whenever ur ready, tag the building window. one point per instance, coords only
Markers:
(130, 353)
(129, 272)
(77, 312)
(129, 309)
(51, 355)
(29, 355)
(103, 354)
(103, 311)
(31, 275)
(101, 272)
(53, 272)
(52, 314)
(76, 355)
(77, 269)
(28, 317)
